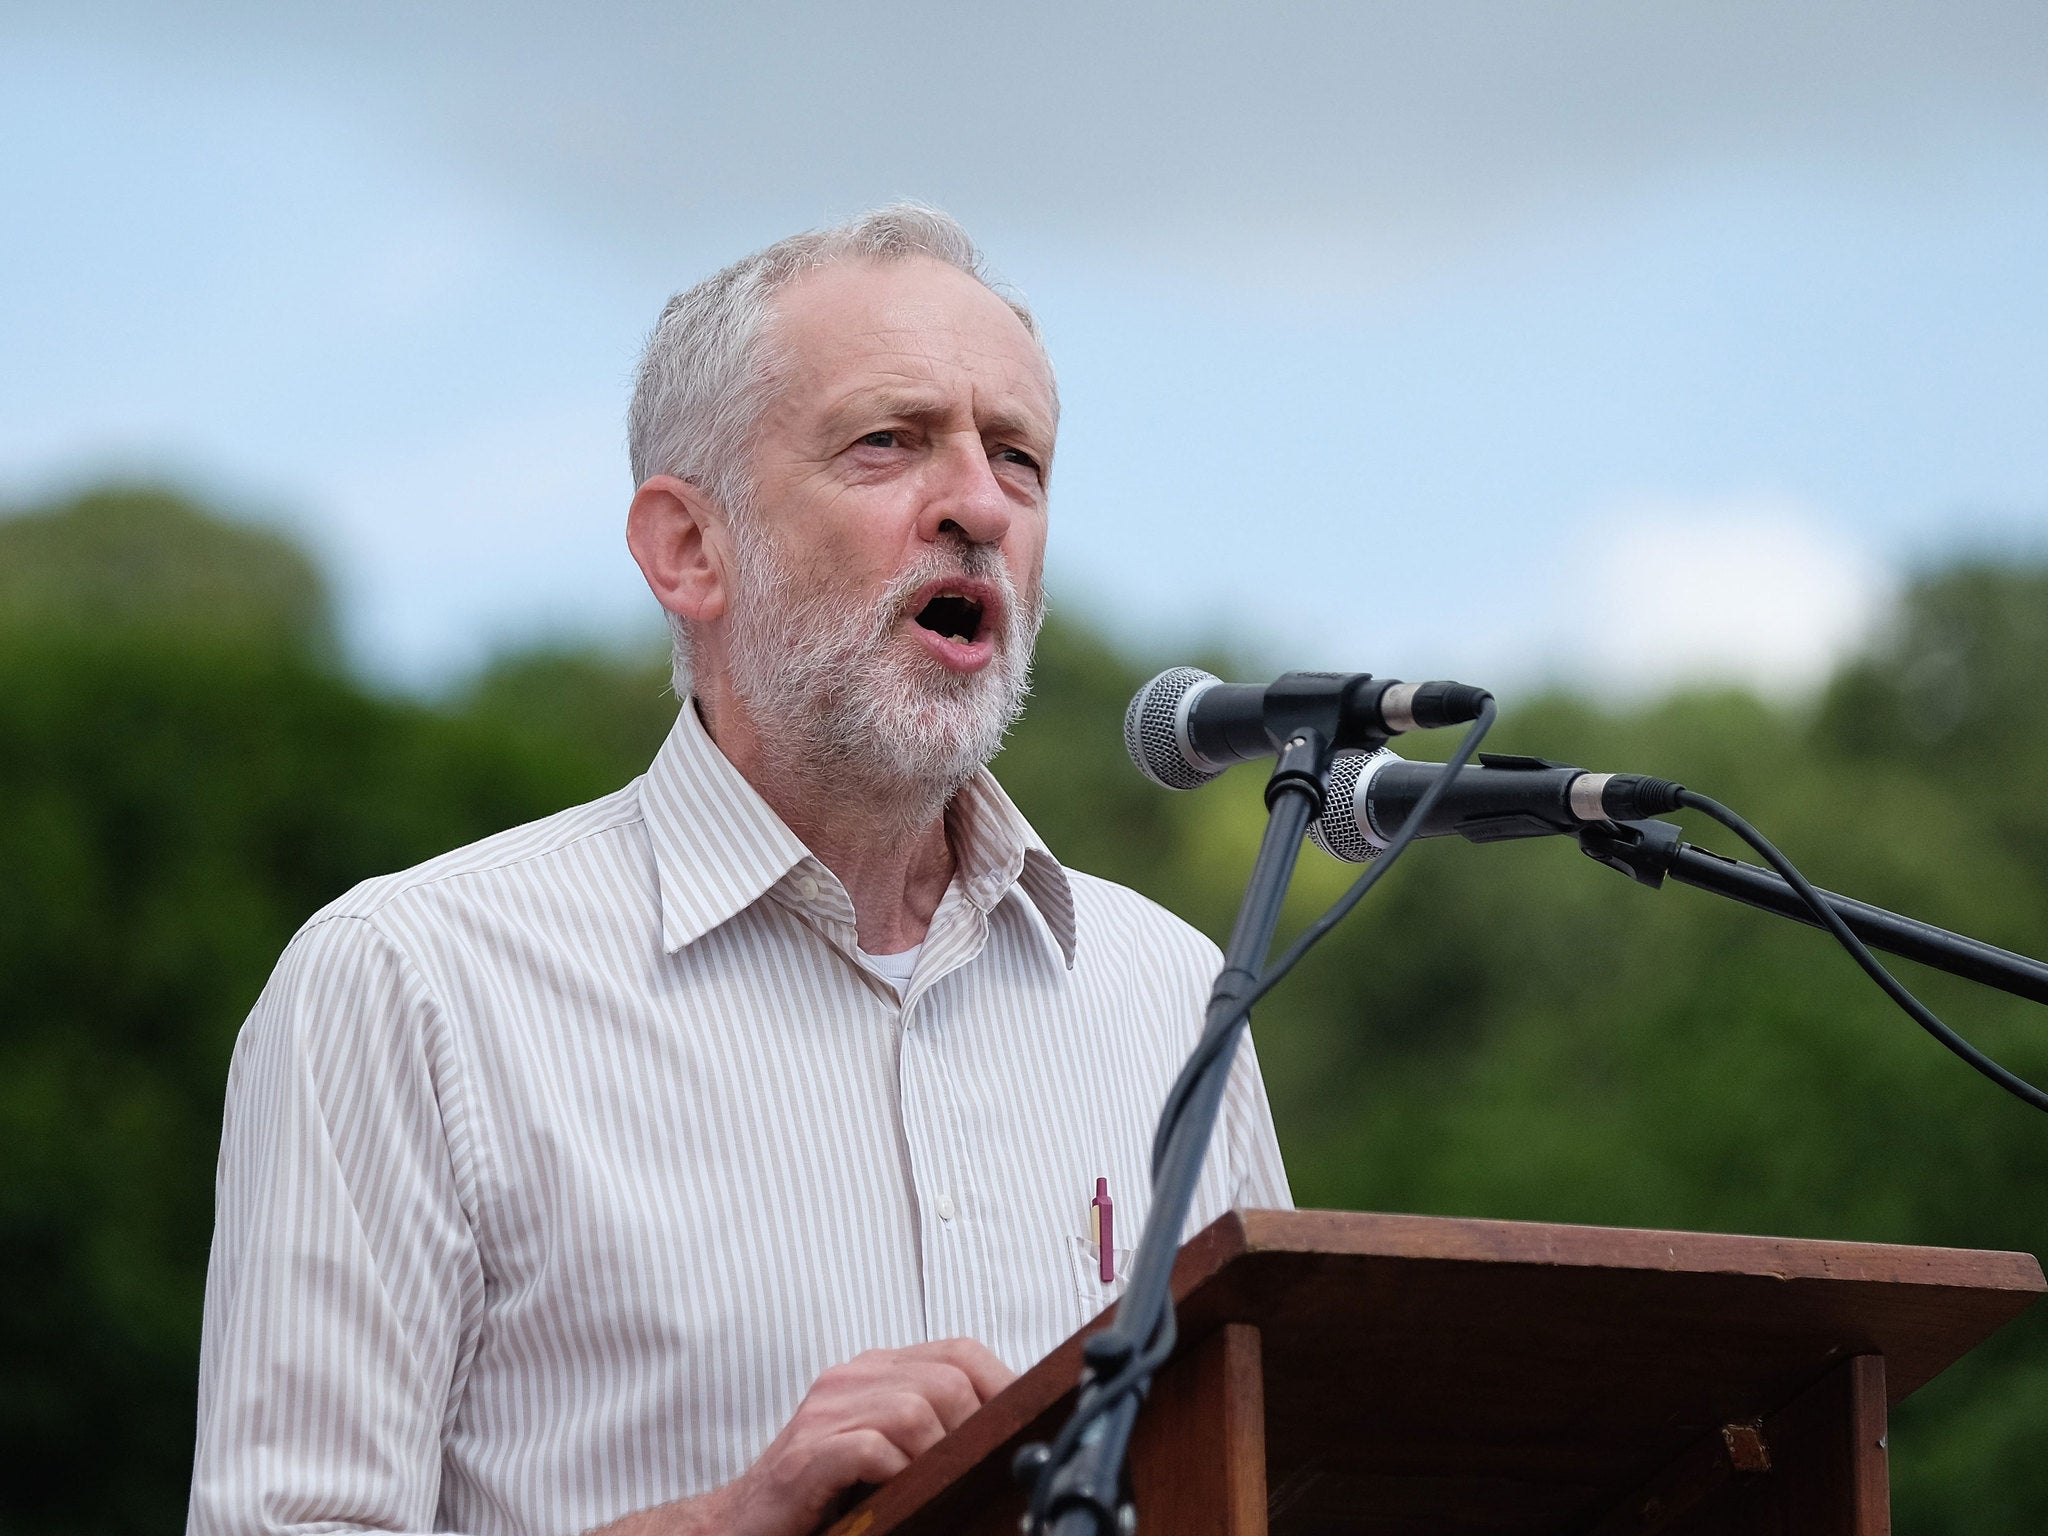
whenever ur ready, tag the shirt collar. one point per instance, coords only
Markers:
(994, 847)
(719, 847)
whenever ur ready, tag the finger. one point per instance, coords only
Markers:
(860, 1456)
(801, 1494)
(946, 1387)
(956, 1375)
(976, 1360)
(902, 1407)
(908, 1418)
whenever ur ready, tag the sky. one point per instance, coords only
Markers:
(1621, 345)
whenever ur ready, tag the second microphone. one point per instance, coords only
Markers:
(1372, 795)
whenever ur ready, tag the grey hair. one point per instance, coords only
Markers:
(711, 365)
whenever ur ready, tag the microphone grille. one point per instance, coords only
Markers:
(1338, 831)
(1153, 731)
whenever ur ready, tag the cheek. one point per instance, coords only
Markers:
(841, 543)
(1025, 551)
(851, 571)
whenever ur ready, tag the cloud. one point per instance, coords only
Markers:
(1357, 143)
(1761, 590)
(1387, 285)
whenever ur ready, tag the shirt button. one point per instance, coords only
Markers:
(945, 1207)
(807, 888)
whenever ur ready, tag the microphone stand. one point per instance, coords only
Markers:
(1652, 851)
(1078, 1481)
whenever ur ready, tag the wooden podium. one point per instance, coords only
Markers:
(1403, 1375)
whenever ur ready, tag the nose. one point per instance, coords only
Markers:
(965, 496)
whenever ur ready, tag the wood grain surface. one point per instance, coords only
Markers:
(1433, 1375)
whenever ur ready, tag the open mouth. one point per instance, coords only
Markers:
(952, 615)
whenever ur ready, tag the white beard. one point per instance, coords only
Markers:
(838, 694)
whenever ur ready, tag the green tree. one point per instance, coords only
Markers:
(607, 709)
(1954, 683)
(123, 556)
(183, 783)
(188, 773)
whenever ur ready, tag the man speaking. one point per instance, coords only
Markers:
(686, 1158)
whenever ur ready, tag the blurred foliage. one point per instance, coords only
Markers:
(1508, 1031)
(131, 556)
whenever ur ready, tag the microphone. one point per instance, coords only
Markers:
(1372, 795)
(1185, 727)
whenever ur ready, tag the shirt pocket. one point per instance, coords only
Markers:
(1087, 1267)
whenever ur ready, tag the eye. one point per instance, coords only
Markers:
(886, 438)
(1018, 456)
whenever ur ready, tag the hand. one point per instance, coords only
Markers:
(861, 1422)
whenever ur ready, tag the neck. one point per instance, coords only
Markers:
(885, 841)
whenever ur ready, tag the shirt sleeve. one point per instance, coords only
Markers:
(344, 1286)
(1261, 1176)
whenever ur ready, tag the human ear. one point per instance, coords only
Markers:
(678, 539)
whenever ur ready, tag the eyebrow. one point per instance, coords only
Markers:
(883, 400)
(913, 404)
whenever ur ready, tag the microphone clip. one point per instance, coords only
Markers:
(1311, 717)
(1643, 850)
(1303, 766)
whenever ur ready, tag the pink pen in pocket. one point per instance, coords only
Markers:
(1102, 1229)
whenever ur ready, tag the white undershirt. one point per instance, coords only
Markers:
(896, 969)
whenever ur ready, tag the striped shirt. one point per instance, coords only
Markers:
(556, 1169)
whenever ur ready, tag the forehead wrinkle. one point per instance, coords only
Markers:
(911, 358)
(964, 352)
(867, 401)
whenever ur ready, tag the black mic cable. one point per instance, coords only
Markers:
(1892, 987)
(1446, 777)
(1139, 1346)
(1377, 799)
